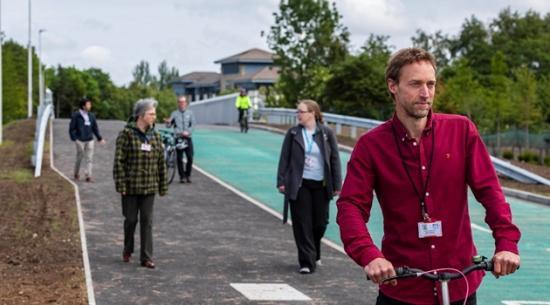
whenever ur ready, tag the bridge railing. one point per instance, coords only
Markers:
(45, 113)
(285, 116)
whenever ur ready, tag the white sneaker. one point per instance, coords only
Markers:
(319, 263)
(305, 270)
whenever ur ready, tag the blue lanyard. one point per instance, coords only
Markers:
(309, 142)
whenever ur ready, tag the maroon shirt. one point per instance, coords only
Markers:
(460, 159)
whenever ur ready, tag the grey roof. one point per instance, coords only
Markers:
(253, 55)
(200, 79)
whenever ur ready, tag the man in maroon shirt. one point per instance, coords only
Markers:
(420, 165)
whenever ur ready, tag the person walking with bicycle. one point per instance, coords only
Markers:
(420, 165)
(183, 121)
(242, 103)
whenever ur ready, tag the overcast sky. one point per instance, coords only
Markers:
(115, 35)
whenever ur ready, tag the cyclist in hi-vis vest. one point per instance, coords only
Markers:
(242, 103)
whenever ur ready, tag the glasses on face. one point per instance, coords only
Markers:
(302, 111)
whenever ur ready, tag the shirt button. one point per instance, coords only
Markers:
(423, 168)
(414, 143)
(402, 139)
(433, 247)
(427, 194)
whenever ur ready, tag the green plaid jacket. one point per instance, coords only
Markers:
(138, 172)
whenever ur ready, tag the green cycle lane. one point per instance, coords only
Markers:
(249, 163)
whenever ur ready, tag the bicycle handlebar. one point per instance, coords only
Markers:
(480, 263)
(406, 272)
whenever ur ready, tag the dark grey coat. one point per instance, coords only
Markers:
(292, 159)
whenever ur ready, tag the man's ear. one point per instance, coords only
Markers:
(392, 85)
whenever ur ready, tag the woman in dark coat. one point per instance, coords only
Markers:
(309, 176)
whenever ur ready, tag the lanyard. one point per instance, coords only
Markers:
(421, 196)
(309, 142)
(145, 137)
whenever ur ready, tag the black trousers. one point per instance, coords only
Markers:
(132, 205)
(184, 173)
(384, 300)
(241, 114)
(309, 214)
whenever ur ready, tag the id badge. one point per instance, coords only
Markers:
(145, 147)
(430, 229)
(87, 123)
(309, 162)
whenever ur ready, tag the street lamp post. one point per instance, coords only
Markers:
(29, 89)
(40, 71)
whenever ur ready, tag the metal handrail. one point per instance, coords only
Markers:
(501, 167)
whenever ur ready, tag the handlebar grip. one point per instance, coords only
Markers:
(488, 265)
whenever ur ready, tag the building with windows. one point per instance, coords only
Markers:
(251, 69)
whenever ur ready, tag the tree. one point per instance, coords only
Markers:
(142, 74)
(307, 38)
(15, 69)
(462, 93)
(473, 45)
(437, 44)
(525, 98)
(358, 86)
(499, 108)
(524, 39)
(166, 75)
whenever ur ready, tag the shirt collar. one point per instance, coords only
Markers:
(402, 131)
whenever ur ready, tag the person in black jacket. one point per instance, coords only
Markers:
(82, 129)
(309, 176)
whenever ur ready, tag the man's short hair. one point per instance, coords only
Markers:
(83, 102)
(405, 57)
(182, 97)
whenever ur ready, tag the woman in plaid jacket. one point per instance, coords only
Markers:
(139, 172)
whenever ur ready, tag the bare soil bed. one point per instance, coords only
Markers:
(40, 252)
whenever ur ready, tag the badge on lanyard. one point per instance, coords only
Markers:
(430, 228)
(309, 162)
(145, 147)
(87, 123)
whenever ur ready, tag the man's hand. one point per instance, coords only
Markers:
(102, 141)
(380, 269)
(185, 133)
(282, 189)
(167, 120)
(504, 263)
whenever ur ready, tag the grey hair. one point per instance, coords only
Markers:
(143, 105)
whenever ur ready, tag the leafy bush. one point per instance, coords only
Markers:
(508, 154)
(529, 157)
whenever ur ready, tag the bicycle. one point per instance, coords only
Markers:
(243, 122)
(171, 143)
(479, 263)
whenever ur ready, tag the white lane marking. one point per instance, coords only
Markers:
(526, 302)
(261, 205)
(478, 227)
(269, 292)
(85, 258)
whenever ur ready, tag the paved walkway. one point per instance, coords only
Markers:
(205, 238)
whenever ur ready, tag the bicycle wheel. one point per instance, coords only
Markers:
(171, 165)
(245, 123)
